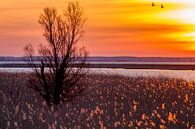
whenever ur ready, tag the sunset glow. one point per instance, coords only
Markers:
(113, 28)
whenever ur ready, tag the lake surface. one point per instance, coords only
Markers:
(184, 74)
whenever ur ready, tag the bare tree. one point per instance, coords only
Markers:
(62, 33)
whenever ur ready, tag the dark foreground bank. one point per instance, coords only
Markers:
(107, 101)
(116, 66)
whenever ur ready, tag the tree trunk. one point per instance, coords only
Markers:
(58, 86)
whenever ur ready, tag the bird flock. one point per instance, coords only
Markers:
(153, 4)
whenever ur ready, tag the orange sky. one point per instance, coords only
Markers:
(113, 28)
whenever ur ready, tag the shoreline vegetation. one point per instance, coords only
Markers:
(109, 101)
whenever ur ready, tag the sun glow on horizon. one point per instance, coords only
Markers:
(183, 15)
(180, 1)
(185, 18)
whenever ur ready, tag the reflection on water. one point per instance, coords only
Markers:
(184, 74)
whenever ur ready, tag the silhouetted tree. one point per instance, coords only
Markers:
(55, 72)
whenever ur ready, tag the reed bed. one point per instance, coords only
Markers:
(106, 102)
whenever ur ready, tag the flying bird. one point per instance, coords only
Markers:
(153, 4)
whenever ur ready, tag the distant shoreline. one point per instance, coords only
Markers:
(117, 66)
(161, 63)
(113, 59)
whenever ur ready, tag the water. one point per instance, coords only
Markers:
(184, 74)
(148, 63)
(14, 62)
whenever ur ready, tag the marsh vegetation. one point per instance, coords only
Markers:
(106, 102)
